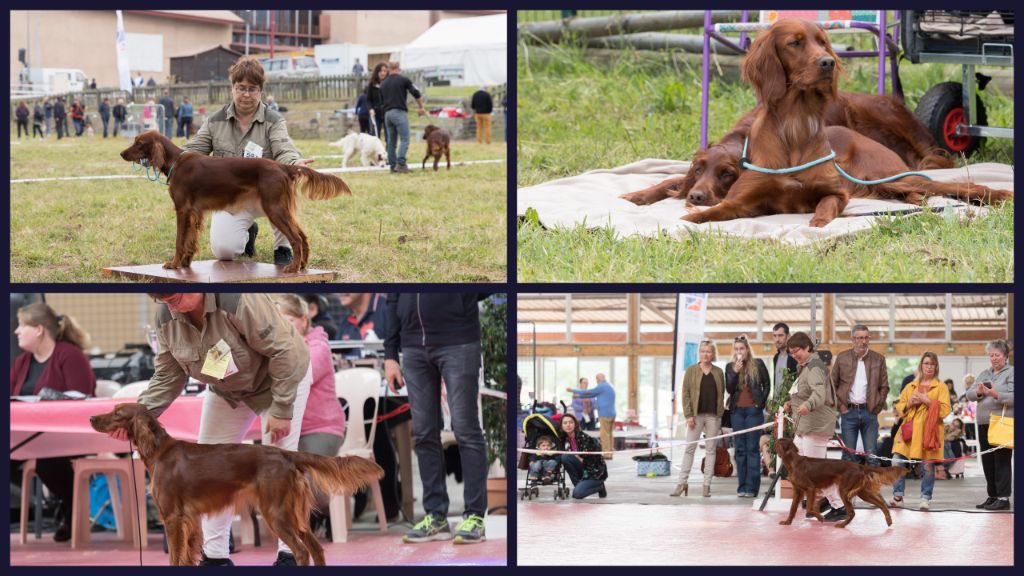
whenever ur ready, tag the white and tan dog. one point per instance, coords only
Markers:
(368, 147)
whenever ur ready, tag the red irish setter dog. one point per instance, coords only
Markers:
(189, 480)
(200, 183)
(793, 70)
(438, 143)
(884, 119)
(812, 475)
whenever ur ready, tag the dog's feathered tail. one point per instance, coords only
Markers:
(339, 474)
(317, 185)
(884, 476)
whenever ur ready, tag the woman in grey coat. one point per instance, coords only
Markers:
(993, 391)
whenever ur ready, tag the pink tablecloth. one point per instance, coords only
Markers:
(66, 431)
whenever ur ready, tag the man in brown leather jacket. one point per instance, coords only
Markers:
(862, 387)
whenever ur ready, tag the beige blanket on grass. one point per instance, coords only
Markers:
(593, 198)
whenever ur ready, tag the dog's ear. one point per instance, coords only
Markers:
(763, 69)
(156, 153)
(140, 429)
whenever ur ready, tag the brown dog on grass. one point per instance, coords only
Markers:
(438, 142)
(812, 475)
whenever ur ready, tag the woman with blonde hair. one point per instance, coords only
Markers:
(922, 405)
(746, 381)
(53, 359)
(323, 423)
(703, 405)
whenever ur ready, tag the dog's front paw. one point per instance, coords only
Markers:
(172, 264)
(817, 222)
(638, 198)
(785, 523)
(292, 268)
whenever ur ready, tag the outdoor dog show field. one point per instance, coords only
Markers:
(425, 226)
(585, 106)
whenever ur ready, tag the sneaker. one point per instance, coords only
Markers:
(836, 515)
(923, 505)
(896, 502)
(250, 244)
(207, 561)
(401, 169)
(428, 529)
(999, 504)
(470, 530)
(283, 256)
(285, 559)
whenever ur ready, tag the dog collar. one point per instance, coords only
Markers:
(173, 164)
(745, 163)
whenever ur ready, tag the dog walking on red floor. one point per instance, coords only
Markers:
(189, 480)
(812, 475)
(199, 183)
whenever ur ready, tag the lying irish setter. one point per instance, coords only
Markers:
(793, 70)
(189, 480)
(199, 183)
(884, 119)
(438, 143)
(812, 475)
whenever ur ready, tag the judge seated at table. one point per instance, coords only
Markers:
(53, 358)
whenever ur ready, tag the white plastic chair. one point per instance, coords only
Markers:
(106, 388)
(356, 386)
(132, 390)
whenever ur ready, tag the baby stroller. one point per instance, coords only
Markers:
(535, 426)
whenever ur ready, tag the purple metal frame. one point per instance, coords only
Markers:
(744, 45)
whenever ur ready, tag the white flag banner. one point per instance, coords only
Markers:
(123, 73)
(691, 312)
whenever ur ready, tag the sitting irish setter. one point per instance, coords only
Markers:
(812, 475)
(793, 70)
(438, 143)
(199, 183)
(189, 480)
(884, 119)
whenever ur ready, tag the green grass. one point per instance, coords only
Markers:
(580, 110)
(420, 227)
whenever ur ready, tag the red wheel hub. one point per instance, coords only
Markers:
(954, 141)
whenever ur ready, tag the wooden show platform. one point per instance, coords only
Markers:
(214, 271)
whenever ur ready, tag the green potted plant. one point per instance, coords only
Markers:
(494, 344)
(785, 488)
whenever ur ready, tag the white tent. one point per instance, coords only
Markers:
(477, 45)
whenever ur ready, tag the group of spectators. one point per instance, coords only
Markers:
(52, 117)
(852, 388)
(284, 374)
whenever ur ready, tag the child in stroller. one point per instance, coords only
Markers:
(544, 465)
(543, 470)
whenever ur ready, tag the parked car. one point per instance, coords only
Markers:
(291, 67)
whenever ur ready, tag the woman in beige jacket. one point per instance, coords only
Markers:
(703, 405)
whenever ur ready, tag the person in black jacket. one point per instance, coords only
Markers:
(395, 90)
(60, 117)
(105, 114)
(120, 116)
(376, 99)
(439, 337)
(482, 105)
(782, 359)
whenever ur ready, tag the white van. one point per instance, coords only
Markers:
(291, 67)
(55, 80)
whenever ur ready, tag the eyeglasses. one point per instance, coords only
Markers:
(246, 89)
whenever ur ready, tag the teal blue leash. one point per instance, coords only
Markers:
(155, 175)
(745, 163)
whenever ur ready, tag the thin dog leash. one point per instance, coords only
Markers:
(135, 490)
(138, 165)
(745, 163)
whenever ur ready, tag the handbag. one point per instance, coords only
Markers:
(1000, 430)
(907, 431)
(723, 464)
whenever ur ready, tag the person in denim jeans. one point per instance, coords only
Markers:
(748, 385)
(862, 387)
(439, 337)
(395, 90)
(923, 401)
